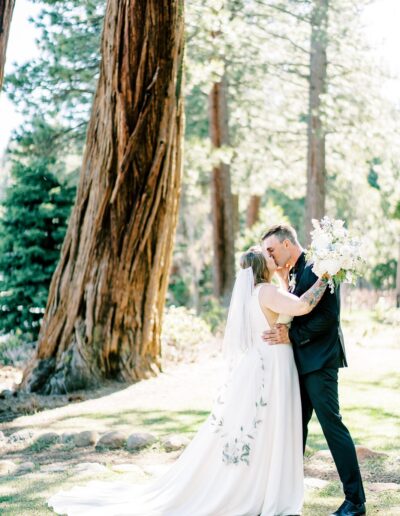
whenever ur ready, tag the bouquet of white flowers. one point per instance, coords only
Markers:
(333, 251)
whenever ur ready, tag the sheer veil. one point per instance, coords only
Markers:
(237, 337)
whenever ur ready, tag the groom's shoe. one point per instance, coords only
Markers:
(350, 509)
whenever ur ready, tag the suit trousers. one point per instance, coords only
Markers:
(319, 392)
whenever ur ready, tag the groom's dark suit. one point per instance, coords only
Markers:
(319, 351)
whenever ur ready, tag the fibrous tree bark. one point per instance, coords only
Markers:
(221, 196)
(316, 171)
(6, 12)
(105, 304)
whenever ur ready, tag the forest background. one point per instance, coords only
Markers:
(291, 112)
(265, 144)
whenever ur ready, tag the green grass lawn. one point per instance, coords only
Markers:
(370, 408)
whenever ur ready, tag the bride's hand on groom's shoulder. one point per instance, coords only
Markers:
(279, 334)
(283, 276)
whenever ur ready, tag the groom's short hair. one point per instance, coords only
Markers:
(282, 232)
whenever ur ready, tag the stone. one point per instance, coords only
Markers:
(383, 487)
(175, 442)
(2, 437)
(76, 396)
(140, 440)
(112, 440)
(323, 454)
(21, 436)
(314, 483)
(53, 468)
(127, 468)
(7, 467)
(6, 394)
(67, 437)
(90, 467)
(364, 453)
(85, 438)
(48, 439)
(25, 467)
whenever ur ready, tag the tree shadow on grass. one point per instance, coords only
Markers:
(25, 404)
(158, 421)
(27, 498)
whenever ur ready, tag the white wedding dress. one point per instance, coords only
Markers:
(245, 460)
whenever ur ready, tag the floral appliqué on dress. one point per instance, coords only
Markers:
(237, 448)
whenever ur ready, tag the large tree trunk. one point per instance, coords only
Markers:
(316, 172)
(253, 210)
(221, 197)
(6, 11)
(106, 299)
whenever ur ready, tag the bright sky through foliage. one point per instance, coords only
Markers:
(382, 24)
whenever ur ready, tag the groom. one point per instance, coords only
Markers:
(319, 352)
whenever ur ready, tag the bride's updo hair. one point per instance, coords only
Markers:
(254, 258)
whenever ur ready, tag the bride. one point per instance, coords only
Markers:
(246, 459)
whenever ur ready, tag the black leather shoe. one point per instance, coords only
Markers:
(350, 509)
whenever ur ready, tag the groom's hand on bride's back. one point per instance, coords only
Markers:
(278, 334)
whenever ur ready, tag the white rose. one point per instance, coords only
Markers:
(329, 265)
(315, 223)
(318, 268)
(322, 254)
(321, 240)
(338, 229)
(346, 262)
(346, 257)
(332, 266)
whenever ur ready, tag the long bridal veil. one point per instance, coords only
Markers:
(237, 337)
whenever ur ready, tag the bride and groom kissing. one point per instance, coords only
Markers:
(283, 347)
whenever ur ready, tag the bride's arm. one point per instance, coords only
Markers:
(282, 302)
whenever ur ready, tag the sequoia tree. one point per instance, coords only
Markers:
(221, 196)
(316, 172)
(106, 298)
(6, 11)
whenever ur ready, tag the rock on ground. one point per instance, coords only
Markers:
(48, 438)
(383, 487)
(7, 467)
(175, 442)
(86, 438)
(53, 468)
(21, 436)
(90, 467)
(140, 440)
(112, 440)
(25, 467)
(314, 483)
(364, 453)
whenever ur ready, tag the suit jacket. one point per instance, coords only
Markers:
(317, 337)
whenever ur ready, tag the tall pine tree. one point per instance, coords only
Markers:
(32, 229)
